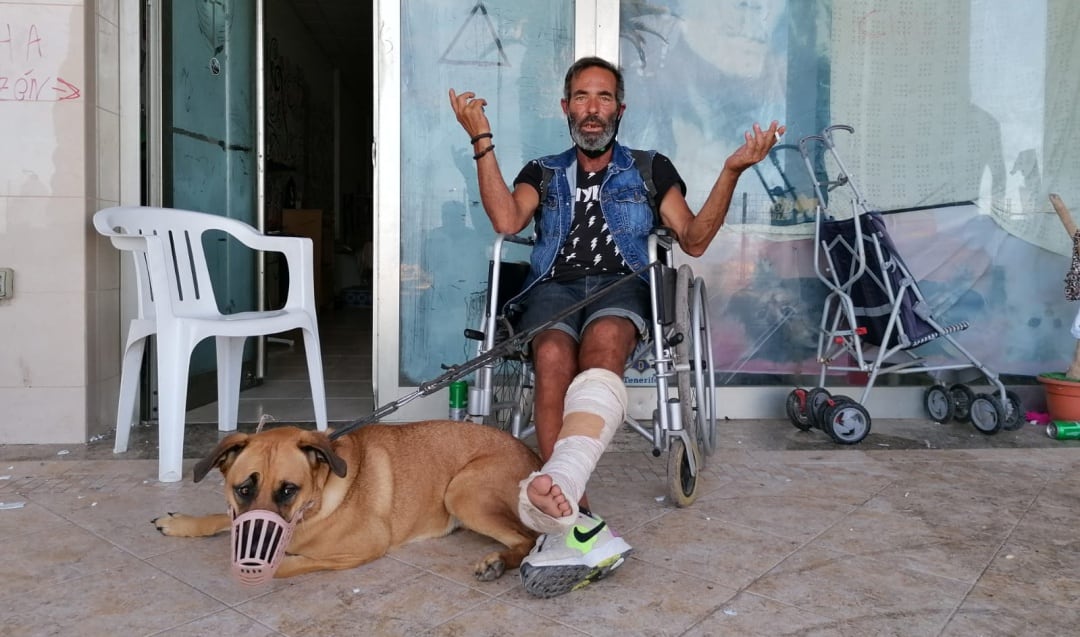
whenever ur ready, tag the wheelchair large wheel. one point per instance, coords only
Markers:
(682, 483)
(511, 396)
(697, 385)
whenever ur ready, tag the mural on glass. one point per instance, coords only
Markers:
(513, 54)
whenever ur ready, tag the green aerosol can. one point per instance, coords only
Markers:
(1064, 430)
(459, 400)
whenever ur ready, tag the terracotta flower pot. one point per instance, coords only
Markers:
(1062, 396)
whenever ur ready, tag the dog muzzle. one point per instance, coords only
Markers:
(259, 540)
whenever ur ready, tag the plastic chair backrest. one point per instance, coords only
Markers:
(182, 273)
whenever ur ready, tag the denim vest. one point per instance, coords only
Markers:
(623, 202)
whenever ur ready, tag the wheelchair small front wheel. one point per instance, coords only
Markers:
(682, 483)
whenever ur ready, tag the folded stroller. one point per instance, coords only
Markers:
(874, 317)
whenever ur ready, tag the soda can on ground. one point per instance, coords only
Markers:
(1063, 430)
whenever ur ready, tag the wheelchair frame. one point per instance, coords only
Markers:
(679, 352)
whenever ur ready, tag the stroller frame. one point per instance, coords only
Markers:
(874, 315)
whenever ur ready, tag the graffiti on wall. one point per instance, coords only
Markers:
(25, 73)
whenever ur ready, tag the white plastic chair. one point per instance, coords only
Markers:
(176, 302)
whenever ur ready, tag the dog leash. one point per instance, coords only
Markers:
(511, 344)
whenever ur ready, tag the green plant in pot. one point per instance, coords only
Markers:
(1063, 390)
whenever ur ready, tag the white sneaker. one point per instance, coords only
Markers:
(587, 552)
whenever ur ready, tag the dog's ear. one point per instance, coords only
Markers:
(318, 447)
(222, 456)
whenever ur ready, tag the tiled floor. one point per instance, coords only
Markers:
(921, 529)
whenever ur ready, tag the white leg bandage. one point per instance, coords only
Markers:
(595, 407)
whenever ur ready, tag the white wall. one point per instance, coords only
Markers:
(59, 337)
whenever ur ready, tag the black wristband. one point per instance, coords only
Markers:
(484, 152)
(480, 136)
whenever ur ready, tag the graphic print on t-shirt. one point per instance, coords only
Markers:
(589, 248)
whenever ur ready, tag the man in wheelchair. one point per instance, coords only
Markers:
(593, 211)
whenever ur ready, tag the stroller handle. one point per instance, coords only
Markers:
(844, 127)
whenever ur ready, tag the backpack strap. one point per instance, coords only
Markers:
(643, 161)
(545, 182)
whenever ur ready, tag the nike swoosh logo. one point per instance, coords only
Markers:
(585, 537)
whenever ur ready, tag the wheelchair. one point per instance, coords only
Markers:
(678, 350)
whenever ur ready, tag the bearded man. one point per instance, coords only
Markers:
(592, 228)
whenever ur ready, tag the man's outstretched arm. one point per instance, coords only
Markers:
(509, 211)
(696, 232)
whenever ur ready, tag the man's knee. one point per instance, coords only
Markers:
(554, 349)
(608, 342)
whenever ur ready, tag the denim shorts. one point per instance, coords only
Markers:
(549, 298)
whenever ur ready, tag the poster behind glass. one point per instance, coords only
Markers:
(958, 141)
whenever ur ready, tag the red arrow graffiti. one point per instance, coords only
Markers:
(74, 91)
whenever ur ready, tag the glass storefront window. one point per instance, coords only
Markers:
(514, 55)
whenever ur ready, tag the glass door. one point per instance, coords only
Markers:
(433, 237)
(206, 144)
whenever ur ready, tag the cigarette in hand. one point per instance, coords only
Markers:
(777, 135)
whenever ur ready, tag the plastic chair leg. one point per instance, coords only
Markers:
(315, 372)
(230, 363)
(173, 362)
(129, 388)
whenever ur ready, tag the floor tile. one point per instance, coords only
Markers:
(862, 592)
(749, 615)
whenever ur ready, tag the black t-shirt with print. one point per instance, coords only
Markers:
(589, 247)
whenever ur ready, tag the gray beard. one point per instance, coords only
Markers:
(593, 141)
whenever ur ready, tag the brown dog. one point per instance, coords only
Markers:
(373, 489)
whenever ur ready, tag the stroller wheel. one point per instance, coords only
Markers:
(847, 422)
(1014, 418)
(987, 414)
(816, 401)
(962, 397)
(939, 404)
(797, 409)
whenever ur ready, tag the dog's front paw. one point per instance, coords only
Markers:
(490, 568)
(180, 525)
(169, 523)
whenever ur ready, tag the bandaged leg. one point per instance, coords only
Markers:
(595, 407)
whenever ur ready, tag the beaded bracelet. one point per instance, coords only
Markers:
(484, 152)
(480, 136)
